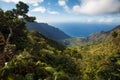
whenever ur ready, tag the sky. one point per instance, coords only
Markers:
(83, 11)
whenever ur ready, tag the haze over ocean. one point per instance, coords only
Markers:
(83, 29)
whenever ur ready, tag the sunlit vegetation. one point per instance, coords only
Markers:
(28, 55)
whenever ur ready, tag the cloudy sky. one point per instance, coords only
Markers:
(90, 11)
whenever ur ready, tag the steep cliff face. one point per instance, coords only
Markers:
(48, 30)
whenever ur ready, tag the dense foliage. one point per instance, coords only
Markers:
(28, 55)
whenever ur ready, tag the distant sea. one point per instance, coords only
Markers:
(82, 29)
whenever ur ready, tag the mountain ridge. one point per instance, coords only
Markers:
(48, 30)
(103, 35)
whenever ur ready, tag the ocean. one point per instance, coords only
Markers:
(82, 29)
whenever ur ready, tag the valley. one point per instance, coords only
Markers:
(38, 51)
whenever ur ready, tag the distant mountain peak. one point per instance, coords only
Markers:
(48, 30)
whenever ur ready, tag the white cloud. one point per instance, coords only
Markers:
(80, 19)
(100, 20)
(53, 12)
(39, 9)
(107, 20)
(64, 5)
(67, 9)
(96, 7)
(62, 2)
(33, 2)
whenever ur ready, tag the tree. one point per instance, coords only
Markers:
(114, 34)
(111, 71)
(13, 30)
(29, 18)
(21, 9)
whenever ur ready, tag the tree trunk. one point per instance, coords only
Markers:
(2, 56)
(9, 36)
(2, 60)
(3, 51)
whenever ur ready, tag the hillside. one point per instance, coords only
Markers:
(48, 30)
(101, 60)
(42, 58)
(94, 38)
(102, 36)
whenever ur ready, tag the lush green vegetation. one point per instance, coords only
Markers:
(28, 55)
